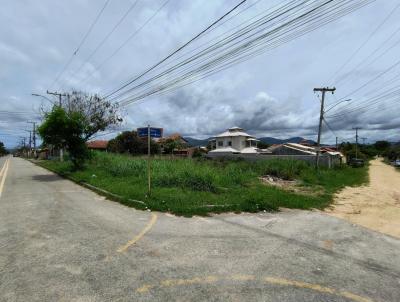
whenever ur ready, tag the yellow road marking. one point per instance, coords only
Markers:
(3, 173)
(315, 287)
(141, 234)
(354, 297)
(277, 281)
(243, 277)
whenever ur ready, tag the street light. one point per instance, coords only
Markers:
(42, 96)
(329, 109)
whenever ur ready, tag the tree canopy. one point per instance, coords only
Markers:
(130, 142)
(78, 118)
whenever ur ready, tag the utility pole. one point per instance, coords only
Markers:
(321, 117)
(30, 140)
(57, 94)
(356, 128)
(60, 95)
(34, 137)
(363, 139)
(336, 143)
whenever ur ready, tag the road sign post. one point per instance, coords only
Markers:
(149, 132)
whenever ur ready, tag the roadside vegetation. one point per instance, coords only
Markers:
(199, 186)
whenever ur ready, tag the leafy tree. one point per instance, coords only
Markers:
(130, 142)
(97, 113)
(171, 144)
(65, 130)
(3, 150)
(382, 146)
(78, 118)
(263, 145)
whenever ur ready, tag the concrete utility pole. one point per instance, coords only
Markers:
(34, 137)
(58, 94)
(60, 104)
(321, 117)
(356, 128)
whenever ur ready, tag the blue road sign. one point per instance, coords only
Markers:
(154, 132)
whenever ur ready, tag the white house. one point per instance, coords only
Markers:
(234, 141)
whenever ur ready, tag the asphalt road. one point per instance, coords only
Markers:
(61, 242)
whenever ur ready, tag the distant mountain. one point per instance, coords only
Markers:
(194, 142)
(267, 140)
(273, 140)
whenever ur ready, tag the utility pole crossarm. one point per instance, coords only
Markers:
(57, 94)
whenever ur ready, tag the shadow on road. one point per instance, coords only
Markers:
(47, 177)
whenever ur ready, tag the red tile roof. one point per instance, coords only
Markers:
(98, 144)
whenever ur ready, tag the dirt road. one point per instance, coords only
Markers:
(376, 205)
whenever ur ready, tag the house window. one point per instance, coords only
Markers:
(229, 143)
(220, 143)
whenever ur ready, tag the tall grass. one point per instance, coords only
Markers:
(187, 186)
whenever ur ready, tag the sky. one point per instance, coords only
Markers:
(267, 95)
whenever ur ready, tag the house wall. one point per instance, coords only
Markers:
(238, 142)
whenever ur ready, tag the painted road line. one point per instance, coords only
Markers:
(251, 278)
(4, 174)
(141, 234)
(2, 168)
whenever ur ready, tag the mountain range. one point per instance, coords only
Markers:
(266, 140)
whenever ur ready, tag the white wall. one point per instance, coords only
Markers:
(238, 142)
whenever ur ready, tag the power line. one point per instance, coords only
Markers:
(80, 44)
(252, 42)
(102, 42)
(372, 54)
(177, 50)
(98, 67)
(367, 40)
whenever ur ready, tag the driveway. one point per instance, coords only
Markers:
(376, 205)
(61, 242)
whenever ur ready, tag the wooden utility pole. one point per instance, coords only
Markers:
(356, 128)
(321, 117)
(336, 143)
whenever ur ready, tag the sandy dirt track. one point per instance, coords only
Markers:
(376, 205)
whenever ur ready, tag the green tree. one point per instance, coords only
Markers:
(3, 150)
(382, 146)
(172, 144)
(66, 130)
(79, 117)
(130, 142)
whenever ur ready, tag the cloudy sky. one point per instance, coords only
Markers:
(268, 95)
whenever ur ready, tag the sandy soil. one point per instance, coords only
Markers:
(375, 206)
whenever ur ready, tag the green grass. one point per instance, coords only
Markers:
(187, 187)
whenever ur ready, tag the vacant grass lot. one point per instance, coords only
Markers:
(187, 187)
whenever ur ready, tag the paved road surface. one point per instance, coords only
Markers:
(61, 242)
(376, 205)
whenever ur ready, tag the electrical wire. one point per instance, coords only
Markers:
(370, 36)
(177, 50)
(123, 44)
(80, 44)
(255, 42)
(106, 37)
